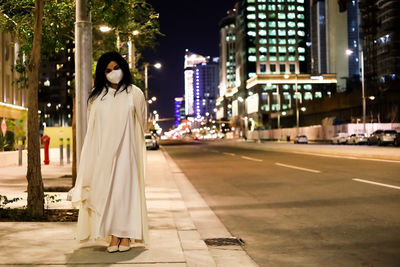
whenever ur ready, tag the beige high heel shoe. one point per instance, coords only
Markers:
(125, 248)
(115, 248)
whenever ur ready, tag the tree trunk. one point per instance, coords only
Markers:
(74, 174)
(34, 175)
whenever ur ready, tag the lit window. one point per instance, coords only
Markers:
(282, 58)
(281, 7)
(291, 41)
(262, 41)
(262, 7)
(301, 50)
(300, 16)
(318, 95)
(262, 24)
(281, 24)
(292, 58)
(301, 33)
(307, 96)
(272, 32)
(300, 1)
(262, 32)
(272, 41)
(307, 87)
(291, 15)
(262, 16)
(291, 24)
(302, 58)
(251, 1)
(272, 49)
(301, 25)
(282, 49)
(251, 16)
(291, 7)
(252, 58)
(263, 58)
(252, 74)
(300, 8)
(272, 58)
(291, 49)
(291, 32)
(271, 7)
(252, 50)
(263, 49)
(251, 25)
(282, 41)
(281, 32)
(272, 15)
(251, 33)
(271, 24)
(281, 16)
(251, 8)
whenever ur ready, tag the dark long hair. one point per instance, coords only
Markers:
(101, 82)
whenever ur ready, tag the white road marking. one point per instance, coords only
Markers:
(375, 183)
(343, 157)
(253, 159)
(230, 154)
(297, 168)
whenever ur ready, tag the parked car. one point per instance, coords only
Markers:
(339, 138)
(357, 139)
(151, 141)
(301, 139)
(382, 137)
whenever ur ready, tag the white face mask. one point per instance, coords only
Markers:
(115, 76)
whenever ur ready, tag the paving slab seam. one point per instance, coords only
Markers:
(207, 223)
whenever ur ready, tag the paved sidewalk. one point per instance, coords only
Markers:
(176, 232)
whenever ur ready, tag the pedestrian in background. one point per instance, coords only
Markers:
(109, 189)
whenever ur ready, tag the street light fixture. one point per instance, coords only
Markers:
(105, 28)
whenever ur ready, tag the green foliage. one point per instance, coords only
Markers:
(51, 199)
(9, 141)
(124, 16)
(4, 201)
(2, 142)
(19, 127)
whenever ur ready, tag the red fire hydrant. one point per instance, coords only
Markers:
(46, 143)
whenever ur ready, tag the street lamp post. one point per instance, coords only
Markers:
(363, 90)
(297, 108)
(363, 98)
(146, 80)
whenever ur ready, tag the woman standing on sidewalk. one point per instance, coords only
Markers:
(109, 189)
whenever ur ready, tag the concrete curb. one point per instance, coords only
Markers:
(207, 223)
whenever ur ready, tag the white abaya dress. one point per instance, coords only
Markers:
(109, 190)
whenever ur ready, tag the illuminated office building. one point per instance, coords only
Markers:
(335, 40)
(13, 101)
(206, 81)
(179, 111)
(227, 64)
(191, 60)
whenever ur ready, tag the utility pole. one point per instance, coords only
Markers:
(364, 104)
(83, 69)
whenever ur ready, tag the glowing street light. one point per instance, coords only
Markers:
(135, 32)
(154, 98)
(157, 65)
(105, 28)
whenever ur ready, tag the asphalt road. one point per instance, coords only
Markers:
(296, 209)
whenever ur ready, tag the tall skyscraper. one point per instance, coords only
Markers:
(334, 35)
(179, 110)
(227, 64)
(271, 64)
(191, 59)
(381, 43)
(206, 81)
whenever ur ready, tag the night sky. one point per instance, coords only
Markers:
(189, 25)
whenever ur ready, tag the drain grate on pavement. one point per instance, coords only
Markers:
(227, 241)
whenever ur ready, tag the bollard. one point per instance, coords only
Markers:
(61, 151)
(68, 150)
(20, 148)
